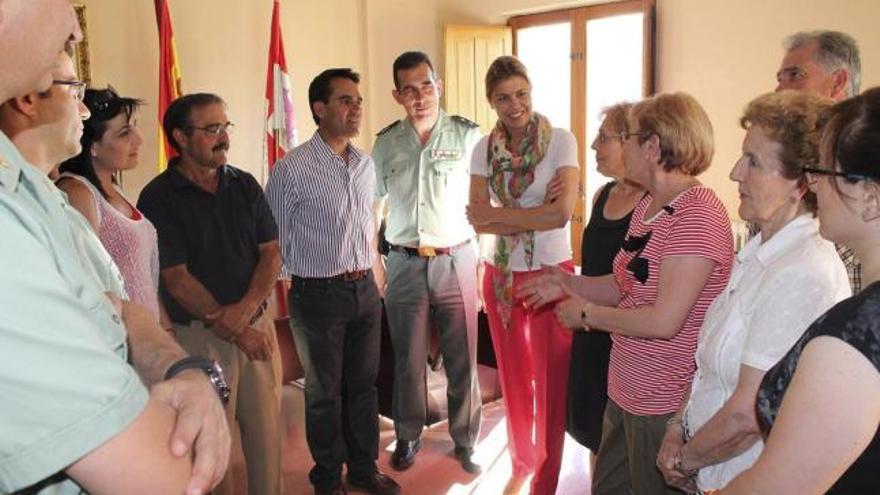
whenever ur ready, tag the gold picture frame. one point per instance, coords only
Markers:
(81, 49)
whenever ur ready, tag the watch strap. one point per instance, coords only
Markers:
(189, 362)
(211, 368)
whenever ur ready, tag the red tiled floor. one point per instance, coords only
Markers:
(435, 472)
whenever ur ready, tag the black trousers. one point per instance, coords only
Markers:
(337, 329)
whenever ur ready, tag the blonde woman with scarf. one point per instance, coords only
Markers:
(510, 171)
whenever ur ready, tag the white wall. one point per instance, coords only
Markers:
(223, 48)
(723, 52)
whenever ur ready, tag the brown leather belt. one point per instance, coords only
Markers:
(342, 277)
(429, 252)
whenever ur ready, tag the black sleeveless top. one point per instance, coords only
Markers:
(590, 351)
(855, 321)
(602, 237)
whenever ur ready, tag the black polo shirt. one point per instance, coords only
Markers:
(217, 236)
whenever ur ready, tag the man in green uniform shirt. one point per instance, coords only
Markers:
(423, 172)
(79, 415)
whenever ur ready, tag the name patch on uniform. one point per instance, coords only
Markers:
(441, 155)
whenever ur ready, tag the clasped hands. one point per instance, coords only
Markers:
(669, 461)
(232, 324)
(554, 285)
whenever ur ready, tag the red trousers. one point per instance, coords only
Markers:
(533, 356)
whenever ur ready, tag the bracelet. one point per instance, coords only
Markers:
(679, 459)
(673, 420)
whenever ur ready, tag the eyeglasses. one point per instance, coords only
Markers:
(215, 129)
(811, 173)
(624, 136)
(77, 88)
(604, 138)
(101, 100)
(790, 75)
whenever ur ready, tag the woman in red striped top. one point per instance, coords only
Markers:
(675, 260)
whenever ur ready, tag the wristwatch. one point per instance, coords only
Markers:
(211, 368)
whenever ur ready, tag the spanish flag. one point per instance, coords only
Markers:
(169, 77)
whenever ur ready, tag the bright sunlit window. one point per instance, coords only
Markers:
(582, 60)
(614, 74)
(545, 52)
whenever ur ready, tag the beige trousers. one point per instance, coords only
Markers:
(254, 403)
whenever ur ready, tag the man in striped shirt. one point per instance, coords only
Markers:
(321, 194)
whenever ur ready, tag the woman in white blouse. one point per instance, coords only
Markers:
(783, 278)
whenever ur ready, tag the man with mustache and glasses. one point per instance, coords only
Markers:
(219, 259)
(423, 173)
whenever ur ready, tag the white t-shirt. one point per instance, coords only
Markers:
(775, 291)
(551, 246)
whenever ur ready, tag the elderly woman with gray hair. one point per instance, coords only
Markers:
(783, 278)
(821, 402)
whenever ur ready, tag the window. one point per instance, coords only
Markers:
(581, 61)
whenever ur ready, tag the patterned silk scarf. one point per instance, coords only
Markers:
(511, 172)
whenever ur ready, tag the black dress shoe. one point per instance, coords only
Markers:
(375, 483)
(405, 454)
(463, 455)
(335, 490)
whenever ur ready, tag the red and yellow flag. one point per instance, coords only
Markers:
(169, 77)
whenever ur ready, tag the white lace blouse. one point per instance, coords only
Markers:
(776, 290)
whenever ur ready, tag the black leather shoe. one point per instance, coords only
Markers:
(463, 455)
(336, 490)
(405, 454)
(375, 483)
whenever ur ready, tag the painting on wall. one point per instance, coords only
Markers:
(81, 50)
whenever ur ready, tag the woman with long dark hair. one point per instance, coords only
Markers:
(110, 144)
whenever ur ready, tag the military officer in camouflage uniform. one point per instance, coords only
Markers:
(423, 173)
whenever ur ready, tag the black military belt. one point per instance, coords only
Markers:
(429, 252)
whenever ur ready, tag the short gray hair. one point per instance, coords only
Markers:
(835, 50)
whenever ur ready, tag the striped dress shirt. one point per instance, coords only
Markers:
(323, 208)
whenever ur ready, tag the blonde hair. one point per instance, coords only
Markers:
(617, 116)
(684, 130)
(503, 68)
